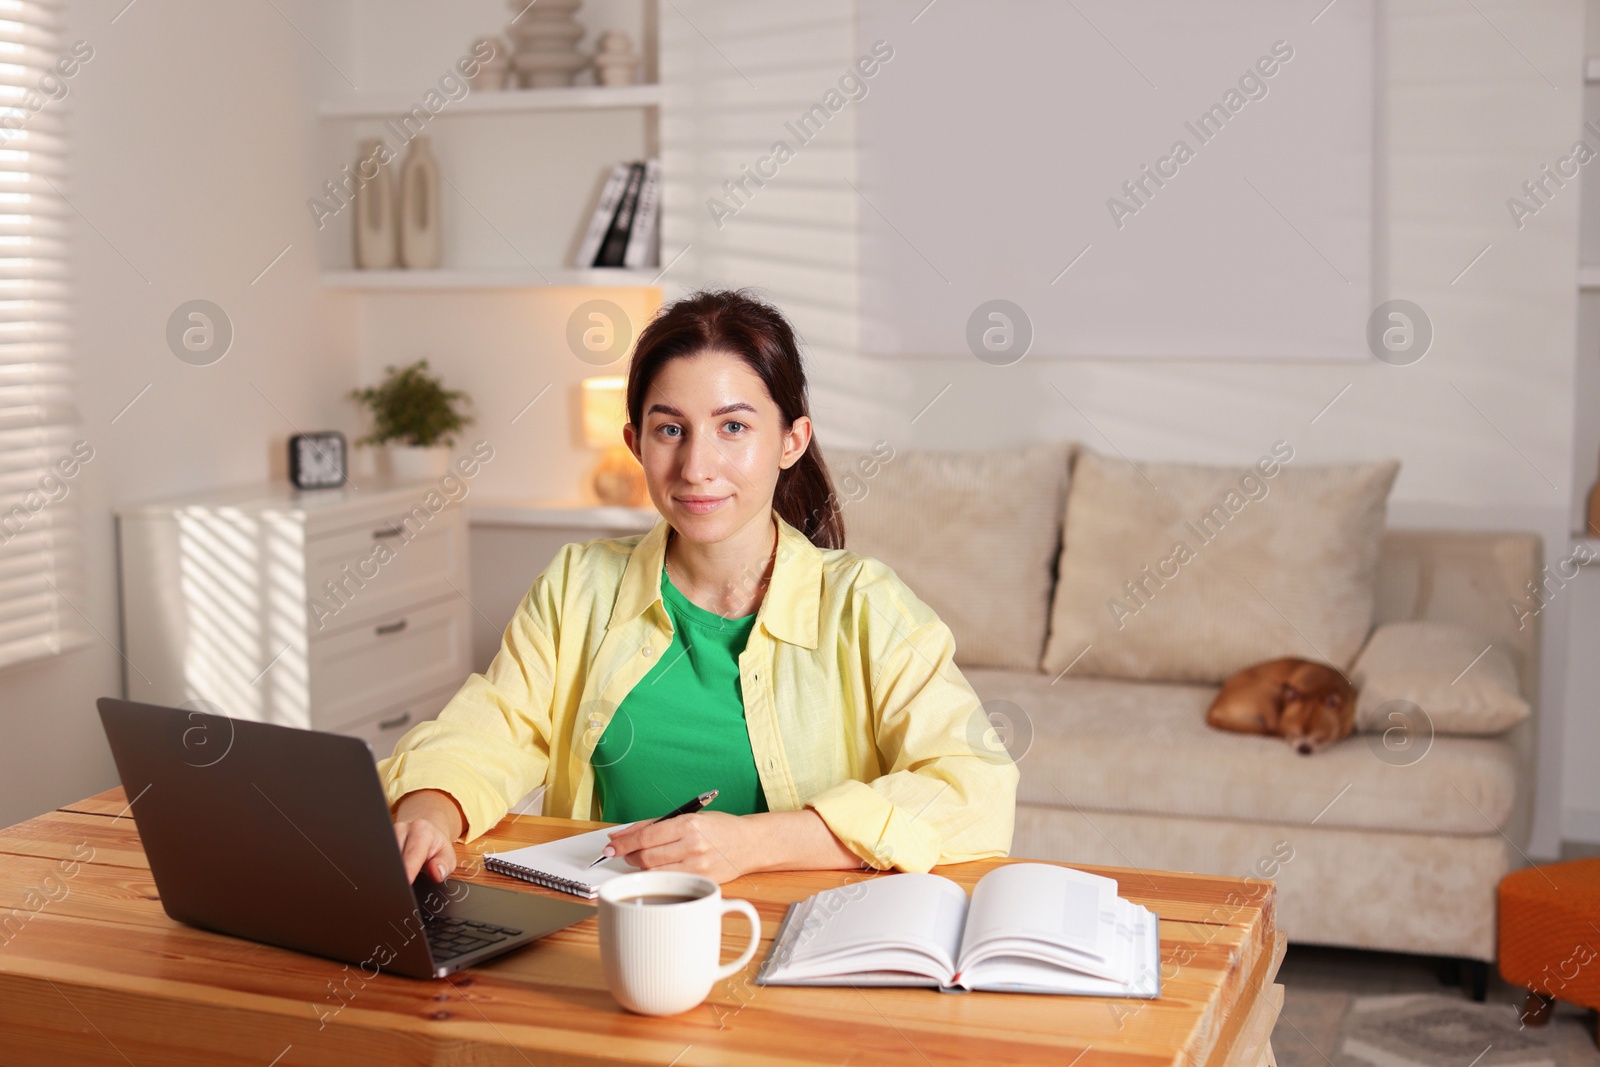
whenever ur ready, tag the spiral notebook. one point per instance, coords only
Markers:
(563, 864)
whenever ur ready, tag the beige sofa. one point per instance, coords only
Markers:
(1369, 849)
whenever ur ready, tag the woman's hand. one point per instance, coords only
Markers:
(427, 823)
(722, 847)
(712, 843)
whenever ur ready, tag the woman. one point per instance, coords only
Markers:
(736, 646)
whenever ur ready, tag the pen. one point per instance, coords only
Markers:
(688, 808)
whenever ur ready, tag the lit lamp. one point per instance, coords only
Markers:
(617, 479)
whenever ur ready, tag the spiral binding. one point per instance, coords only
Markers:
(527, 874)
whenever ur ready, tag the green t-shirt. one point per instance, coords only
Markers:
(681, 730)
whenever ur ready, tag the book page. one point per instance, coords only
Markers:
(909, 922)
(1138, 972)
(1040, 901)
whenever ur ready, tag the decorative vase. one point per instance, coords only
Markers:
(416, 463)
(545, 43)
(419, 208)
(616, 63)
(494, 72)
(377, 244)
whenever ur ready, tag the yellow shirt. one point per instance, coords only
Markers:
(853, 701)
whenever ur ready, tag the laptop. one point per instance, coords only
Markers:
(283, 836)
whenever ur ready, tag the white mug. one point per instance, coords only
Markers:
(661, 958)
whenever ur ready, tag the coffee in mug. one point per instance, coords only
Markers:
(658, 898)
(661, 936)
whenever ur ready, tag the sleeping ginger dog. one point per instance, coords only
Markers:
(1310, 705)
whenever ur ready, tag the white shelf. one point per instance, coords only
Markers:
(559, 515)
(491, 101)
(488, 278)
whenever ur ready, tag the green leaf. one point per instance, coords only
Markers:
(412, 407)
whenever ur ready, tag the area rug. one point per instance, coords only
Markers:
(1320, 1028)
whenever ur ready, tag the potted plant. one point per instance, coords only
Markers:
(416, 417)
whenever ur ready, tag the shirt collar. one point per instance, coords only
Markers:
(789, 610)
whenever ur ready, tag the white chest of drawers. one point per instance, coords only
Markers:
(334, 609)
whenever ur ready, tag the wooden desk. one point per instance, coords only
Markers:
(100, 975)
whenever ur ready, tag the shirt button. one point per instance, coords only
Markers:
(647, 650)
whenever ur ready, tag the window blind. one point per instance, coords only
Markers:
(41, 445)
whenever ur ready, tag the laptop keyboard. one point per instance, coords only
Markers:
(450, 937)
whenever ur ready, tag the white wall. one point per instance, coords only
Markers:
(193, 134)
(736, 74)
(1210, 270)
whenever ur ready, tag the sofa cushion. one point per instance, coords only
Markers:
(1464, 682)
(1096, 744)
(974, 534)
(1189, 573)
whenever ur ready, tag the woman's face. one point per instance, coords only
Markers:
(712, 445)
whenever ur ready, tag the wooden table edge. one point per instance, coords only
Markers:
(1254, 1048)
(1239, 1033)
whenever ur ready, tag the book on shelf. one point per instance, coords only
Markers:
(644, 237)
(613, 248)
(605, 210)
(1028, 928)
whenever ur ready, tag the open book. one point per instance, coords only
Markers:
(1029, 928)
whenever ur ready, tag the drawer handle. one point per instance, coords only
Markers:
(388, 531)
(390, 628)
(396, 722)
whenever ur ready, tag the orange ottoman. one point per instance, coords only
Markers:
(1550, 933)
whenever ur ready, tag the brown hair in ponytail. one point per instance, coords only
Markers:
(736, 322)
